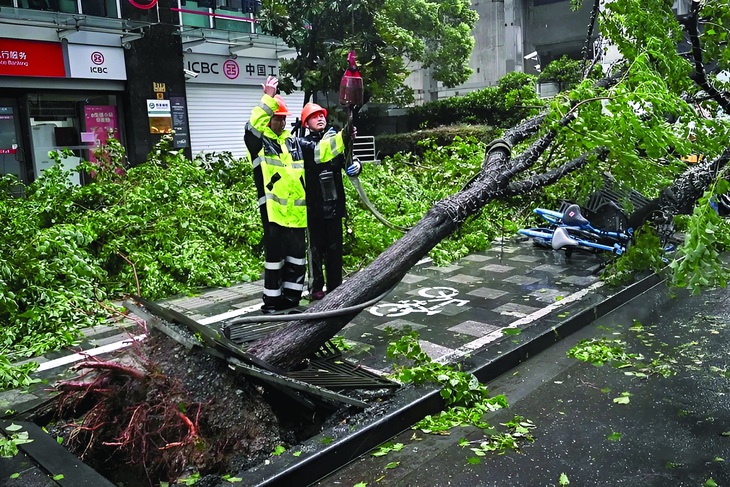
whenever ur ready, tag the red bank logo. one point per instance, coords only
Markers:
(97, 58)
(231, 69)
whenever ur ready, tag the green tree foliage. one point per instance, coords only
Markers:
(513, 99)
(170, 226)
(386, 34)
(652, 117)
(173, 226)
(565, 71)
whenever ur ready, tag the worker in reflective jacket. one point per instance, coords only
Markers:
(278, 162)
(325, 205)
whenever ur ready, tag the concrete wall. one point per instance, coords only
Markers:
(507, 30)
(554, 29)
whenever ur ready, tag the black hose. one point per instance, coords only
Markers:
(309, 316)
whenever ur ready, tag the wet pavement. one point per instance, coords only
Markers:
(672, 431)
(460, 313)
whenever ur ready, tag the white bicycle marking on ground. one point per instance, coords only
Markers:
(438, 299)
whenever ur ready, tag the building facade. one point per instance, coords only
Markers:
(73, 72)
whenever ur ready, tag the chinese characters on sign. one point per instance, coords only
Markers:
(261, 69)
(14, 58)
(101, 120)
(179, 122)
(31, 58)
(8, 141)
(160, 117)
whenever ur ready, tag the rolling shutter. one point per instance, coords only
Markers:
(218, 113)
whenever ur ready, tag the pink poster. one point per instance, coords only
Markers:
(101, 120)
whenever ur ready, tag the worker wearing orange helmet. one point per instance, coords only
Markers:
(278, 161)
(325, 204)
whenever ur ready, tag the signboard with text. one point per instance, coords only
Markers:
(179, 112)
(160, 117)
(96, 62)
(31, 58)
(8, 141)
(211, 68)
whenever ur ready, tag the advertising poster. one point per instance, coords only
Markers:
(101, 121)
(160, 117)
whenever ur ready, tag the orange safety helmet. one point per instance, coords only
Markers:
(283, 110)
(309, 110)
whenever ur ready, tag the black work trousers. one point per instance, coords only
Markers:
(285, 266)
(325, 247)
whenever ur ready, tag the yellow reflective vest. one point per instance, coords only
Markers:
(279, 165)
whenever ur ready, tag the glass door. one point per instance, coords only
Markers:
(12, 154)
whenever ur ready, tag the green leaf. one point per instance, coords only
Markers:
(278, 450)
(14, 475)
(621, 400)
(473, 460)
(563, 479)
(614, 436)
(13, 427)
(58, 477)
(392, 465)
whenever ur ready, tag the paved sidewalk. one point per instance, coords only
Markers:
(459, 313)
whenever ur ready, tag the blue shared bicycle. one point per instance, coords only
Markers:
(569, 230)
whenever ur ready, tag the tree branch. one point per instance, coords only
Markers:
(699, 75)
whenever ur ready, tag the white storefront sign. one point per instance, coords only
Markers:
(217, 69)
(96, 62)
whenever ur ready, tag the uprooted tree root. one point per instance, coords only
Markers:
(159, 411)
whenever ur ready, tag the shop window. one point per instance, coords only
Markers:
(76, 122)
(67, 6)
(99, 8)
(195, 19)
(245, 6)
(6, 3)
(233, 25)
(215, 13)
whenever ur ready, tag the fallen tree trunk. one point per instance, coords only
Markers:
(289, 346)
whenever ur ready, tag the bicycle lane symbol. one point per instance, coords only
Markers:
(437, 299)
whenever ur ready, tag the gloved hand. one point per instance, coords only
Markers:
(271, 85)
(354, 168)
